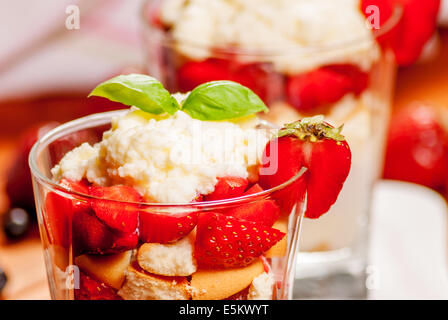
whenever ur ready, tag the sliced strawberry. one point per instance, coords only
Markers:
(227, 242)
(314, 90)
(416, 26)
(91, 236)
(227, 187)
(263, 211)
(254, 189)
(60, 210)
(194, 73)
(92, 289)
(117, 214)
(417, 146)
(313, 144)
(359, 80)
(162, 227)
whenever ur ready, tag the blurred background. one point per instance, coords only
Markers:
(48, 66)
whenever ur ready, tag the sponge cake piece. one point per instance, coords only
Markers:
(140, 285)
(221, 284)
(174, 259)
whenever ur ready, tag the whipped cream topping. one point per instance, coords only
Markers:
(290, 28)
(168, 159)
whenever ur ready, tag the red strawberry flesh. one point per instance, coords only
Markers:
(114, 210)
(61, 208)
(92, 289)
(263, 211)
(227, 242)
(91, 236)
(227, 187)
(160, 227)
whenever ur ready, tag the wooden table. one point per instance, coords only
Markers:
(23, 261)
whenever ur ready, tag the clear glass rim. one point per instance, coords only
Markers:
(99, 119)
(168, 40)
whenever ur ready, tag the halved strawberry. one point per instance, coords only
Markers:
(263, 211)
(117, 214)
(194, 73)
(92, 289)
(313, 144)
(227, 242)
(417, 146)
(254, 189)
(314, 90)
(60, 210)
(416, 26)
(160, 227)
(227, 187)
(91, 236)
(359, 80)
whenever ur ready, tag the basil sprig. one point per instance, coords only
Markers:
(142, 91)
(222, 100)
(216, 100)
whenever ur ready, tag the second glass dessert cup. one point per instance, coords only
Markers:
(350, 83)
(87, 260)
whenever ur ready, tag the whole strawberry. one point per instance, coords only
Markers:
(417, 146)
(317, 146)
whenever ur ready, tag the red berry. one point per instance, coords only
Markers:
(226, 188)
(313, 144)
(161, 227)
(92, 289)
(359, 80)
(254, 189)
(316, 89)
(194, 73)
(60, 209)
(227, 242)
(91, 236)
(416, 26)
(115, 211)
(263, 211)
(417, 147)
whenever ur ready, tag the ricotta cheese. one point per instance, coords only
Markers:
(289, 31)
(168, 159)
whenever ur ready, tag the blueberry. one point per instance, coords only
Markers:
(16, 223)
(3, 279)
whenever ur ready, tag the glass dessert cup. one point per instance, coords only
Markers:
(335, 244)
(74, 268)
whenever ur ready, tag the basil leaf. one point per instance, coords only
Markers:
(138, 90)
(222, 100)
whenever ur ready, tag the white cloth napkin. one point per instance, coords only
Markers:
(408, 243)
